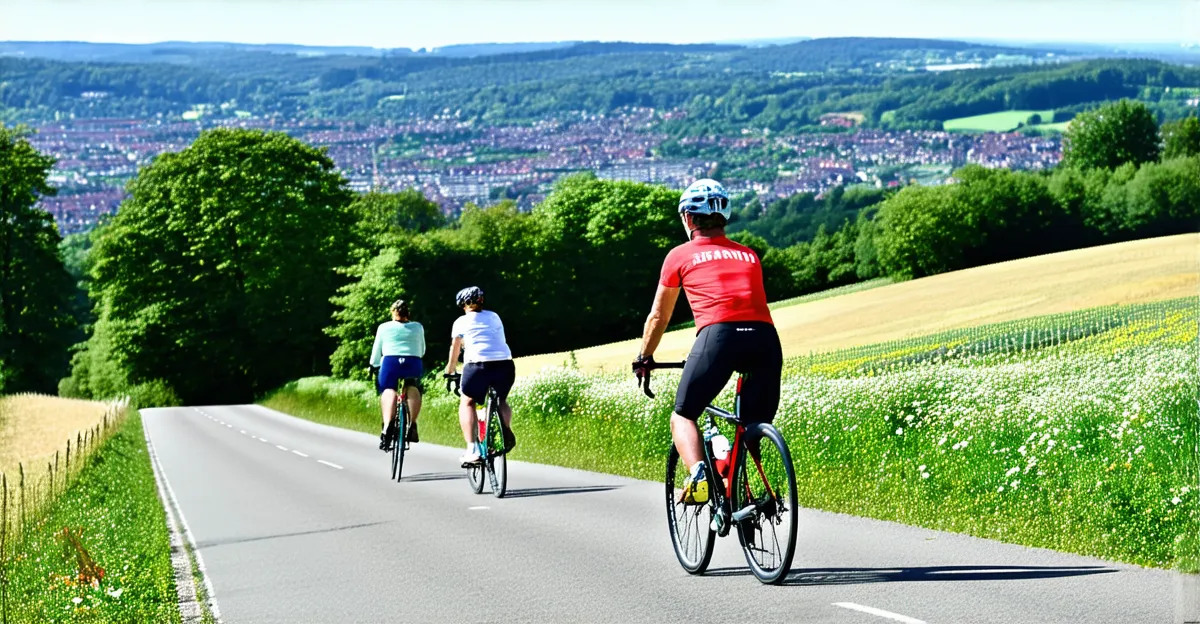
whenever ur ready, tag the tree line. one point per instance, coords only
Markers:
(244, 261)
(721, 89)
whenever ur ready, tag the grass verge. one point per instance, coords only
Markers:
(1076, 432)
(114, 510)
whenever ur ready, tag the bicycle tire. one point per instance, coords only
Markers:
(690, 525)
(767, 487)
(401, 429)
(476, 472)
(497, 462)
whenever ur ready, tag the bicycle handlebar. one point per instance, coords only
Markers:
(453, 380)
(645, 380)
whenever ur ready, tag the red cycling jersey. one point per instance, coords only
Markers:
(722, 279)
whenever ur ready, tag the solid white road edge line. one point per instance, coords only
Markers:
(299, 453)
(173, 512)
(880, 612)
(330, 464)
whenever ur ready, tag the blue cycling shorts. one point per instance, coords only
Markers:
(397, 367)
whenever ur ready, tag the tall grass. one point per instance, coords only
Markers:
(1076, 432)
(96, 548)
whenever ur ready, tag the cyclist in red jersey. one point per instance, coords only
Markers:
(734, 332)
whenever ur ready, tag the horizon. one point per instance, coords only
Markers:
(429, 24)
(999, 42)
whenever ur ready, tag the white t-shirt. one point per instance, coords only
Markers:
(483, 337)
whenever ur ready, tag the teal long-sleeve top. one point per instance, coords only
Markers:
(397, 338)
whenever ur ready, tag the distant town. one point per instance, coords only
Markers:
(455, 162)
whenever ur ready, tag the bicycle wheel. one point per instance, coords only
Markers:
(399, 429)
(497, 462)
(690, 525)
(765, 502)
(475, 472)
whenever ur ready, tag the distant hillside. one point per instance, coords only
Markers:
(720, 88)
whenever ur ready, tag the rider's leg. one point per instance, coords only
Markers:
(387, 404)
(414, 403)
(686, 436)
(469, 419)
(506, 413)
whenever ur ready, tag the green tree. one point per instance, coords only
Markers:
(385, 215)
(614, 236)
(215, 275)
(35, 290)
(923, 231)
(1181, 138)
(1158, 199)
(1112, 135)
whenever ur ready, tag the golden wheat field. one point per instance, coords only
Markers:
(33, 427)
(1133, 272)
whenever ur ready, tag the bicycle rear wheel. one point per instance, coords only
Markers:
(497, 464)
(690, 525)
(765, 503)
(399, 429)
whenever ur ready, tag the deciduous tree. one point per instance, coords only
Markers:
(1112, 135)
(216, 273)
(35, 289)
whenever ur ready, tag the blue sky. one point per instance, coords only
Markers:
(431, 23)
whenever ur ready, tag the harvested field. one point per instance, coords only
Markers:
(1133, 272)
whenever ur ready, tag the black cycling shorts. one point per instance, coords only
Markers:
(721, 349)
(477, 376)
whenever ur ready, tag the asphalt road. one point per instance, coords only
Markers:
(298, 522)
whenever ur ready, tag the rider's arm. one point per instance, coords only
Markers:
(660, 316)
(452, 363)
(377, 349)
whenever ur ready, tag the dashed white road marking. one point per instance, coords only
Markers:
(243, 432)
(879, 612)
(262, 439)
(330, 464)
(299, 453)
(282, 448)
(230, 426)
(479, 508)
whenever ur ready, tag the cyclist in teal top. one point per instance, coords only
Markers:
(399, 347)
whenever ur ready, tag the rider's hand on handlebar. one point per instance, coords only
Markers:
(642, 365)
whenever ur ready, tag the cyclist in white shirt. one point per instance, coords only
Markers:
(479, 335)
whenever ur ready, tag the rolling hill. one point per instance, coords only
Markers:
(1138, 271)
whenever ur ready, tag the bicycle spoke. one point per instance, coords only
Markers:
(767, 488)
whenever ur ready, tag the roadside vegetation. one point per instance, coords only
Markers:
(1074, 431)
(83, 537)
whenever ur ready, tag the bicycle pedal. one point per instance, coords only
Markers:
(719, 524)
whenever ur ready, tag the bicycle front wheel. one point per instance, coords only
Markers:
(497, 462)
(399, 428)
(764, 493)
(690, 524)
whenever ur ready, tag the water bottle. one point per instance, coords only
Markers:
(720, 447)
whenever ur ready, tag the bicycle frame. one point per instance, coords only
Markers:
(717, 482)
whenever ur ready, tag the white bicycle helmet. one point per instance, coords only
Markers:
(705, 197)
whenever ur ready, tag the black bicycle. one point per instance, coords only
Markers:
(397, 441)
(759, 497)
(492, 452)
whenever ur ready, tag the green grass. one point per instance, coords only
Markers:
(1059, 127)
(116, 504)
(1075, 431)
(1003, 121)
